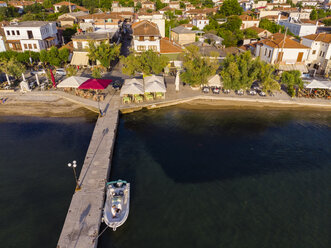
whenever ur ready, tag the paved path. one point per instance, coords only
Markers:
(84, 215)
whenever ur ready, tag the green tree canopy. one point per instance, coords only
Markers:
(292, 79)
(148, 62)
(250, 33)
(53, 56)
(231, 7)
(313, 15)
(197, 69)
(12, 67)
(233, 23)
(106, 53)
(239, 71)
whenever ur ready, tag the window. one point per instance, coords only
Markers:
(34, 46)
(13, 32)
(154, 48)
(141, 38)
(141, 48)
(151, 38)
(269, 54)
(265, 52)
(30, 34)
(17, 32)
(30, 46)
(8, 33)
(321, 53)
(25, 46)
(314, 51)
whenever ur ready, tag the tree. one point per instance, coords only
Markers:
(64, 9)
(148, 62)
(159, 5)
(292, 79)
(233, 23)
(34, 8)
(230, 38)
(64, 55)
(239, 71)
(250, 33)
(12, 67)
(92, 51)
(313, 15)
(47, 4)
(43, 56)
(71, 71)
(96, 72)
(105, 53)
(231, 7)
(53, 56)
(266, 76)
(197, 69)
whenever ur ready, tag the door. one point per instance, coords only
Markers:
(280, 56)
(299, 59)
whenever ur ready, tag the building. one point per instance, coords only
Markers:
(31, 35)
(146, 36)
(261, 33)
(299, 28)
(148, 5)
(287, 53)
(320, 53)
(71, 6)
(248, 21)
(156, 18)
(213, 38)
(3, 4)
(81, 43)
(174, 5)
(69, 19)
(200, 22)
(20, 5)
(182, 35)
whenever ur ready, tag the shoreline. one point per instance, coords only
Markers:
(62, 106)
(208, 102)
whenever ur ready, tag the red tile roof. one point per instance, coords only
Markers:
(166, 46)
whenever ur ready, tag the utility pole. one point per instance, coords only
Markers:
(282, 51)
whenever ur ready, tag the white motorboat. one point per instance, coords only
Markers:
(117, 203)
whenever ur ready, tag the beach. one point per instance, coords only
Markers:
(60, 104)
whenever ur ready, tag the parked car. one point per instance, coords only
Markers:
(239, 92)
(205, 89)
(216, 90)
(61, 71)
(261, 93)
(251, 92)
(39, 72)
(226, 91)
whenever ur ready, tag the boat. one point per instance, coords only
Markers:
(117, 204)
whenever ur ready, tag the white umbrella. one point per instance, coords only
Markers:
(72, 82)
(214, 81)
(37, 79)
(315, 84)
(132, 88)
(24, 86)
(153, 78)
(23, 76)
(177, 81)
(155, 86)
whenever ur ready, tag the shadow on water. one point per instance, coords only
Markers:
(222, 145)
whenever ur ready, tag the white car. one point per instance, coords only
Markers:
(61, 71)
(39, 72)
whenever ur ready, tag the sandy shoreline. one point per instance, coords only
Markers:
(53, 108)
(57, 106)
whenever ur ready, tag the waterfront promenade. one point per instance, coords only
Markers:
(83, 219)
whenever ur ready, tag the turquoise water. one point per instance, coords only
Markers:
(36, 185)
(224, 178)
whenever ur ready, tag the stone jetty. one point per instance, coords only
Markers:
(83, 219)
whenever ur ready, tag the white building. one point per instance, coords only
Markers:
(320, 52)
(298, 28)
(248, 21)
(200, 22)
(146, 36)
(156, 18)
(3, 4)
(283, 51)
(31, 35)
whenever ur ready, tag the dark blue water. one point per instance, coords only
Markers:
(224, 178)
(36, 185)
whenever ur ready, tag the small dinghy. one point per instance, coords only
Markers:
(117, 203)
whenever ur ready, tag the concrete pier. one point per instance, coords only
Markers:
(83, 219)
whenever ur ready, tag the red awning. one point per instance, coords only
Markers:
(95, 84)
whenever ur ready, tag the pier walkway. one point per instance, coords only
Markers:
(83, 219)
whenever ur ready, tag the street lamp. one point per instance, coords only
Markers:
(74, 165)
